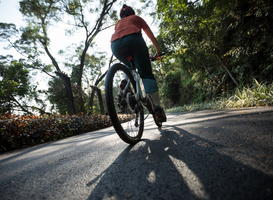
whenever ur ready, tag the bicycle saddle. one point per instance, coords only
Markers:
(128, 53)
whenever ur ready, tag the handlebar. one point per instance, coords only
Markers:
(157, 56)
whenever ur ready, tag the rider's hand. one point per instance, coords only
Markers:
(156, 56)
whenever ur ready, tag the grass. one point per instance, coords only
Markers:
(258, 95)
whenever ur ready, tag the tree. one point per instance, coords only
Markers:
(16, 92)
(92, 71)
(228, 42)
(249, 40)
(95, 89)
(197, 26)
(42, 14)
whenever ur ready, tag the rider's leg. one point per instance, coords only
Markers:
(143, 64)
(155, 97)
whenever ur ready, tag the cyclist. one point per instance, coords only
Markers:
(128, 35)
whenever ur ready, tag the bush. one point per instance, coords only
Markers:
(178, 88)
(22, 131)
(258, 95)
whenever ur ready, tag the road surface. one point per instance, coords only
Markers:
(213, 154)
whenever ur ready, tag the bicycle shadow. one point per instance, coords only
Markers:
(179, 165)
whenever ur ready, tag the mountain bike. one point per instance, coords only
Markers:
(126, 104)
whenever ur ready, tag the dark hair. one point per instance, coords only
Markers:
(126, 11)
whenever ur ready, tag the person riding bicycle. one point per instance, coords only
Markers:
(127, 35)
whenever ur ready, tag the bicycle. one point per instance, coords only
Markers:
(126, 105)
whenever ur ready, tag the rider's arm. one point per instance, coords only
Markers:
(150, 34)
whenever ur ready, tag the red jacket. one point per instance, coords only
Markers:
(128, 25)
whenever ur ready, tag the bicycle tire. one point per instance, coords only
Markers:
(118, 108)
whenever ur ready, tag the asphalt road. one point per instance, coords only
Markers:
(215, 154)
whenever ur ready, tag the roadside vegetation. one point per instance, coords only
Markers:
(29, 130)
(257, 95)
(24, 131)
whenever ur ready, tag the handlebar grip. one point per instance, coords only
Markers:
(160, 54)
(155, 57)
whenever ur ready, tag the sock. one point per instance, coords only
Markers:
(155, 97)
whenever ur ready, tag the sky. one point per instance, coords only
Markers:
(9, 13)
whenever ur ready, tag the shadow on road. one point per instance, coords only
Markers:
(179, 165)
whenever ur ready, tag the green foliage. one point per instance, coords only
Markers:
(178, 87)
(7, 31)
(257, 95)
(57, 96)
(183, 83)
(222, 43)
(93, 65)
(38, 9)
(90, 16)
(249, 40)
(16, 91)
(56, 92)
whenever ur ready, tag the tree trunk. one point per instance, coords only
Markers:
(96, 89)
(91, 102)
(69, 93)
(66, 79)
(99, 92)
(101, 102)
(225, 67)
(90, 36)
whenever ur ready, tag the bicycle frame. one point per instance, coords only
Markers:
(139, 94)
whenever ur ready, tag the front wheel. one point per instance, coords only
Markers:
(125, 113)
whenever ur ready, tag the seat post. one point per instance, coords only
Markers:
(132, 64)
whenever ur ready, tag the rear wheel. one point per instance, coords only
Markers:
(126, 114)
